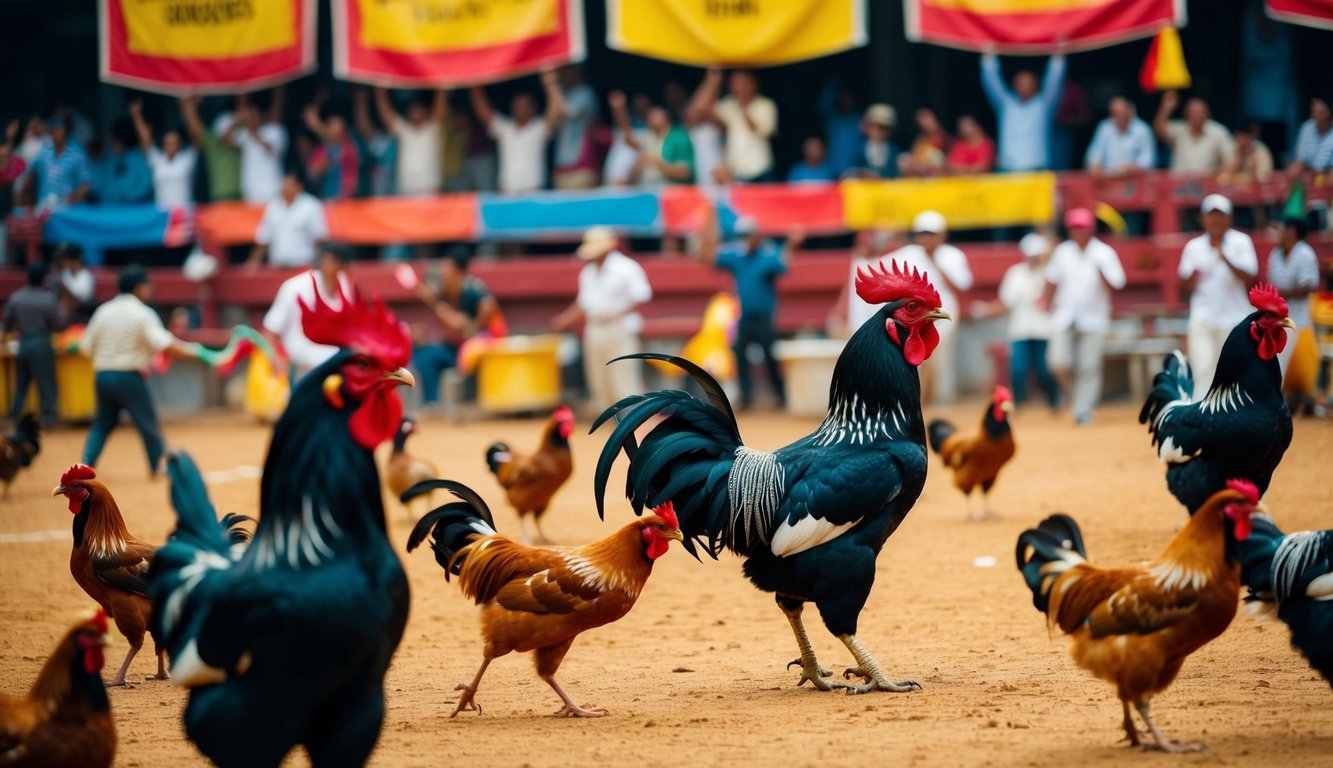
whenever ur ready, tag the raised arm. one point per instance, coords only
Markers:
(361, 114)
(555, 100)
(992, 82)
(310, 115)
(1161, 121)
(439, 106)
(1053, 82)
(194, 126)
(704, 104)
(388, 115)
(141, 127)
(277, 105)
(481, 105)
(620, 118)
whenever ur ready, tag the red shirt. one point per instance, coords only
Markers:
(976, 158)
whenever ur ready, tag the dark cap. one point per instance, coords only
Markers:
(69, 251)
(132, 277)
(37, 272)
(339, 252)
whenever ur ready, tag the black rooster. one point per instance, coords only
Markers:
(809, 518)
(1294, 572)
(287, 642)
(1242, 426)
(19, 449)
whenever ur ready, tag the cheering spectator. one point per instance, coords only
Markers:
(748, 121)
(973, 151)
(756, 263)
(842, 126)
(292, 227)
(705, 136)
(1023, 293)
(465, 307)
(664, 150)
(419, 139)
(577, 156)
(612, 288)
(221, 159)
(1314, 142)
(521, 136)
(879, 155)
(282, 324)
(74, 283)
(33, 314)
(930, 147)
(121, 176)
(1250, 160)
(1217, 267)
(122, 338)
(335, 163)
(262, 141)
(1198, 143)
(1081, 275)
(814, 165)
(380, 148)
(60, 169)
(12, 168)
(172, 165)
(1293, 269)
(1023, 114)
(1123, 144)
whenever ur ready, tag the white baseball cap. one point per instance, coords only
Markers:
(1216, 202)
(1034, 244)
(930, 221)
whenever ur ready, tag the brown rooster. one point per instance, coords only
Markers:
(1134, 627)
(404, 470)
(530, 481)
(108, 562)
(539, 598)
(65, 720)
(976, 459)
(19, 449)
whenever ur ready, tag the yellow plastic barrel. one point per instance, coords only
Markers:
(518, 374)
(75, 399)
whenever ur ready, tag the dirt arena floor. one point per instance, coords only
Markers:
(696, 674)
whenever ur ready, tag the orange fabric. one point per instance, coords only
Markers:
(368, 221)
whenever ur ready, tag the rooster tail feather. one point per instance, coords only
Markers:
(635, 414)
(1256, 558)
(496, 456)
(196, 518)
(1297, 563)
(712, 390)
(1175, 383)
(939, 430)
(452, 527)
(471, 497)
(1045, 552)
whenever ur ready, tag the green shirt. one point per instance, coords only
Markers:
(677, 148)
(224, 169)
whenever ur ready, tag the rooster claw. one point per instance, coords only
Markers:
(823, 671)
(1174, 747)
(573, 710)
(850, 672)
(466, 702)
(891, 686)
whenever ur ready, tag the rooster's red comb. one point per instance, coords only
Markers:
(370, 329)
(1246, 489)
(1265, 298)
(878, 284)
(1002, 394)
(98, 621)
(76, 473)
(667, 512)
(563, 412)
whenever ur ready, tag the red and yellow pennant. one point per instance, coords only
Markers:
(1037, 26)
(205, 46)
(1307, 13)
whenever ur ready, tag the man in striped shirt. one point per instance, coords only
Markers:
(122, 338)
(1314, 143)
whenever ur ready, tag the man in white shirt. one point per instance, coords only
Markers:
(1023, 294)
(420, 141)
(948, 270)
(122, 338)
(612, 287)
(1218, 268)
(1082, 273)
(291, 229)
(262, 145)
(1293, 269)
(521, 136)
(282, 324)
(1198, 143)
(172, 165)
(748, 119)
(75, 285)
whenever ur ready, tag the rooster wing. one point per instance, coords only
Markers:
(127, 569)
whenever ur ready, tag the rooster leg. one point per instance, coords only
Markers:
(811, 669)
(1132, 732)
(869, 669)
(570, 709)
(1162, 743)
(470, 690)
(523, 524)
(986, 512)
(972, 516)
(162, 673)
(537, 523)
(125, 667)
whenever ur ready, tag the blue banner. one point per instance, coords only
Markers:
(634, 213)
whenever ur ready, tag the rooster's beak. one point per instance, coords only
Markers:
(938, 314)
(1007, 406)
(59, 490)
(401, 376)
(673, 535)
(1286, 322)
(1261, 508)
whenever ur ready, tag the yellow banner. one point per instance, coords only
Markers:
(428, 26)
(208, 29)
(735, 32)
(967, 202)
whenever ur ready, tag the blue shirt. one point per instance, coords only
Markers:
(1313, 148)
(803, 172)
(1113, 150)
(756, 274)
(58, 176)
(1023, 135)
(123, 178)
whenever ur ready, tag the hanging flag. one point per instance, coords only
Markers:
(205, 46)
(1037, 26)
(755, 33)
(1307, 13)
(450, 43)
(1164, 67)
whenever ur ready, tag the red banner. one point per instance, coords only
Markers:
(1309, 13)
(205, 46)
(451, 43)
(1037, 26)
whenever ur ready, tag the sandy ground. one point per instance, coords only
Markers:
(696, 673)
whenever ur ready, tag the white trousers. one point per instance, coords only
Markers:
(1205, 345)
(1079, 355)
(603, 341)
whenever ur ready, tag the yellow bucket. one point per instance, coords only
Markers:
(75, 398)
(519, 373)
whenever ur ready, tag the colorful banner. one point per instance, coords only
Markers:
(1308, 13)
(1037, 26)
(759, 33)
(99, 227)
(450, 43)
(358, 222)
(967, 202)
(205, 46)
